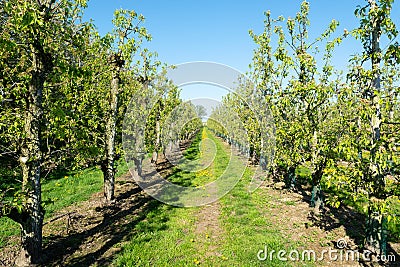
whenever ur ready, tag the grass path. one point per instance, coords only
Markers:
(229, 232)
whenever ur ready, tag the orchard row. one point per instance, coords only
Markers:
(64, 90)
(343, 129)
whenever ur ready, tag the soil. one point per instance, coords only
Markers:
(209, 229)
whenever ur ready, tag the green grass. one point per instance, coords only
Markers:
(164, 238)
(7, 228)
(60, 192)
(193, 151)
(168, 236)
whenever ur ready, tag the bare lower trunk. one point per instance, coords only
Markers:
(291, 178)
(138, 167)
(154, 157)
(108, 164)
(157, 144)
(376, 233)
(263, 163)
(317, 196)
(317, 201)
(109, 183)
(31, 236)
(31, 218)
(108, 167)
(169, 147)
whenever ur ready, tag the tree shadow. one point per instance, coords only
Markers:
(110, 225)
(117, 226)
(352, 221)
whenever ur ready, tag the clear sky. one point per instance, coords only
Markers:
(217, 30)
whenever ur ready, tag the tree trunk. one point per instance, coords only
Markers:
(317, 196)
(291, 178)
(109, 168)
(157, 143)
(138, 166)
(263, 162)
(31, 236)
(31, 218)
(375, 242)
(376, 232)
(376, 118)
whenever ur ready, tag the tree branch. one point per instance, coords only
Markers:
(390, 122)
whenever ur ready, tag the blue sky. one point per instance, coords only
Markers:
(217, 30)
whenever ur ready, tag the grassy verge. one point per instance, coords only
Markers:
(249, 231)
(170, 236)
(60, 192)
